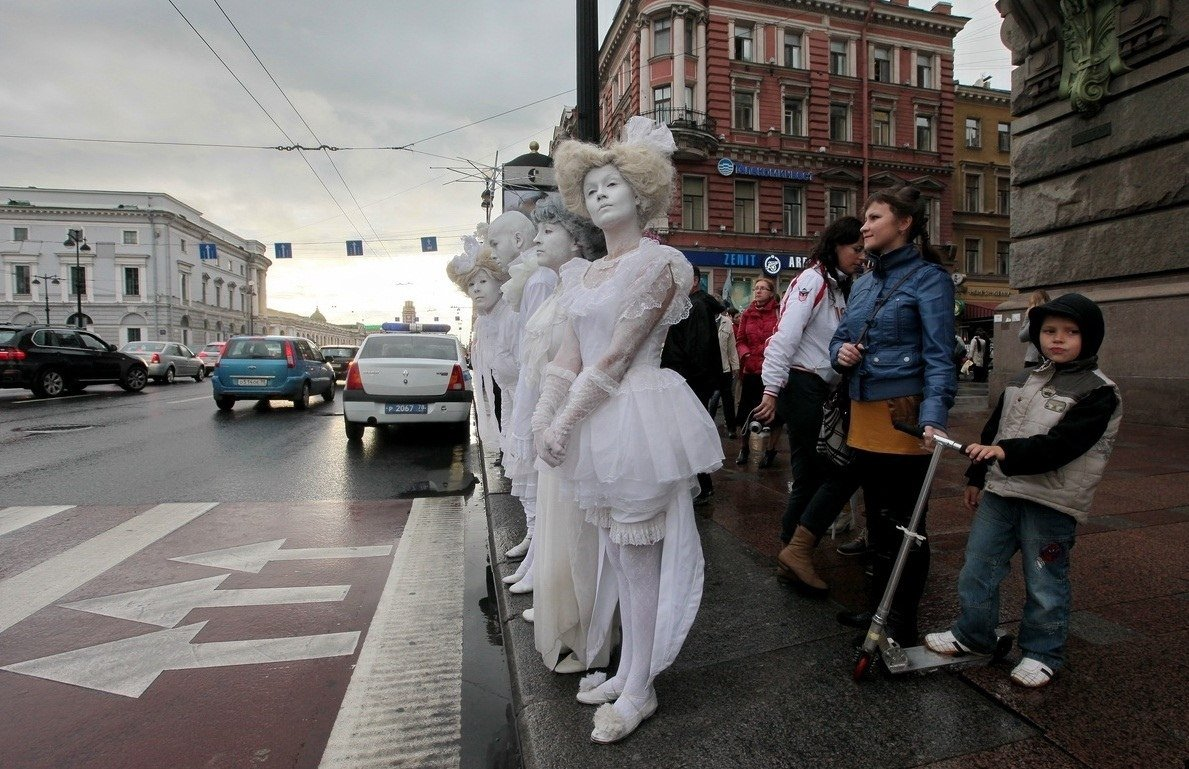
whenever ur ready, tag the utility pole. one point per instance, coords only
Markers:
(588, 71)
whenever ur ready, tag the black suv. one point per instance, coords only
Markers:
(339, 357)
(51, 360)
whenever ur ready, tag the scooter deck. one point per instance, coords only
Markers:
(922, 659)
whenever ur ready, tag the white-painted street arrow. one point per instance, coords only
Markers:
(167, 605)
(129, 667)
(252, 558)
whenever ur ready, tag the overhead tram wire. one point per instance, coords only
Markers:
(267, 114)
(301, 117)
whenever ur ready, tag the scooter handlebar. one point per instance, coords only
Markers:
(918, 431)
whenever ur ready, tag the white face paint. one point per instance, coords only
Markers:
(555, 245)
(609, 198)
(503, 241)
(484, 291)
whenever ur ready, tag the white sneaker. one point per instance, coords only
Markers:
(945, 643)
(1031, 673)
(519, 550)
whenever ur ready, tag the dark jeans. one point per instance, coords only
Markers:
(891, 483)
(725, 394)
(703, 390)
(980, 373)
(800, 406)
(837, 487)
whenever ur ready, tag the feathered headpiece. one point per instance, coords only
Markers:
(474, 257)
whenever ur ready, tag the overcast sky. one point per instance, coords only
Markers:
(362, 73)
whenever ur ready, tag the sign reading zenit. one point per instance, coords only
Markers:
(728, 167)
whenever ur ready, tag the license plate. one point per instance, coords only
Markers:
(406, 408)
(243, 382)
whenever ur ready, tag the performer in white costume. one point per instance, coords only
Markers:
(629, 435)
(495, 339)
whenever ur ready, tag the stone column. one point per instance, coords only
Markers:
(1099, 152)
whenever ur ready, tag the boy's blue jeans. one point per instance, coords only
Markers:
(1044, 538)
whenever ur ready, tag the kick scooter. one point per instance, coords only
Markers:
(877, 643)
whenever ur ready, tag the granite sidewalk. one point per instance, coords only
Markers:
(764, 677)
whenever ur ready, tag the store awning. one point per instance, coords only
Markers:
(979, 310)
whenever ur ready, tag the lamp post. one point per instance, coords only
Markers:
(47, 281)
(249, 291)
(74, 237)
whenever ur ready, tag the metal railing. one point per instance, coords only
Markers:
(684, 118)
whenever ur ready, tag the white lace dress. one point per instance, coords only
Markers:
(633, 462)
(495, 355)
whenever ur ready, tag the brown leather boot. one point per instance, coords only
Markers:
(797, 557)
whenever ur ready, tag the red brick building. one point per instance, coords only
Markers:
(786, 114)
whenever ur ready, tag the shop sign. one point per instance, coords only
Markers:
(728, 167)
(771, 264)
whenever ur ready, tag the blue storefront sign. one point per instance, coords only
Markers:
(770, 263)
(728, 167)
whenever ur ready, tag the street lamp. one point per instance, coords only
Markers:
(249, 291)
(74, 237)
(46, 280)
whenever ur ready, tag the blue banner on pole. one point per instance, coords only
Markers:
(429, 244)
(208, 251)
(283, 250)
(354, 248)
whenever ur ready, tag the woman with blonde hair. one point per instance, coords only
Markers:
(629, 436)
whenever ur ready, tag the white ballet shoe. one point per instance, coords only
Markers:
(525, 585)
(596, 689)
(527, 615)
(511, 579)
(519, 550)
(612, 726)
(569, 664)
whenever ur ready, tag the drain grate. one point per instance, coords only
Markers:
(52, 429)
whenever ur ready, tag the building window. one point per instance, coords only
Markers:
(182, 245)
(662, 37)
(839, 204)
(882, 70)
(693, 202)
(838, 58)
(794, 211)
(1002, 196)
(185, 288)
(204, 292)
(924, 70)
(839, 122)
(78, 280)
(974, 248)
(743, 43)
(794, 117)
(662, 103)
(1002, 257)
(130, 238)
(133, 334)
(881, 127)
(744, 112)
(22, 279)
(689, 37)
(218, 295)
(131, 281)
(20, 233)
(745, 206)
(974, 133)
(924, 133)
(1005, 137)
(792, 48)
(974, 192)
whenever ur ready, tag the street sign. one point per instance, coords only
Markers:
(429, 244)
(283, 250)
(252, 558)
(354, 248)
(208, 251)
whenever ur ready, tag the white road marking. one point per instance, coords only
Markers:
(129, 666)
(30, 591)
(13, 518)
(167, 605)
(412, 656)
(56, 398)
(254, 557)
(187, 400)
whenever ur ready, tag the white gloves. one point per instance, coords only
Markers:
(588, 392)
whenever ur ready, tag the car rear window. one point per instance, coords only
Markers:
(143, 347)
(268, 349)
(340, 352)
(8, 337)
(435, 348)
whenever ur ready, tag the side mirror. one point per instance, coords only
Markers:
(111, 348)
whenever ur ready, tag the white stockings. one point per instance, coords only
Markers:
(638, 574)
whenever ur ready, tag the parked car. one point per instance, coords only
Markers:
(209, 355)
(52, 360)
(167, 360)
(264, 368)
(339, 357)
(407, 378)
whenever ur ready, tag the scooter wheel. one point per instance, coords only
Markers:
(862, 665)
(1002, 647)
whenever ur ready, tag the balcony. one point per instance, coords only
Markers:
(695, 133)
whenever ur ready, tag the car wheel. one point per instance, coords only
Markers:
(354, 430)
(225, 402)
(328, 396)
(170, 375)
(135, 378)
(302, 401)
(49, 383)
(201, 373)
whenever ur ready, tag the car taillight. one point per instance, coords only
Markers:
(12, 354)
(354, 381)
(155, 359)
(456, 382)
(290, 360)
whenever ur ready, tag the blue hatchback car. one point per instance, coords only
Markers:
(264, 368)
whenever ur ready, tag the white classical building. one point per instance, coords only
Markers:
(149, 267)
